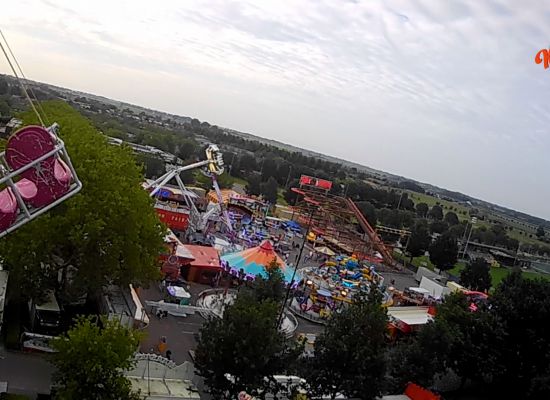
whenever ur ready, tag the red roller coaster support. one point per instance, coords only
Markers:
(376, 241)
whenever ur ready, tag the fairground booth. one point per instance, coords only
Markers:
(189, 262)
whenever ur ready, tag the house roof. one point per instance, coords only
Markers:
(203, 256)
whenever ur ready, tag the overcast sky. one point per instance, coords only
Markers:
(443, 92)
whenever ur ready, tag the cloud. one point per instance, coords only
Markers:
(444, 92)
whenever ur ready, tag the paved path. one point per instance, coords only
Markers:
(27, 374)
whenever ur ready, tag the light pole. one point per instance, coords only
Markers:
(288, 176)
(474, 220)
(289, 287)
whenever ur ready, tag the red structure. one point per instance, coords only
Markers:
(415, 392)
(338, 221)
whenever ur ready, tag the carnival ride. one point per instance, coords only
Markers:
(329, 287)
(338, 221)
(36, 173)
(212, 166)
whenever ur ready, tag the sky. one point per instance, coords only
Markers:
(443, 92)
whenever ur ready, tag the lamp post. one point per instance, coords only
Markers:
(289, 287)
(474, 220)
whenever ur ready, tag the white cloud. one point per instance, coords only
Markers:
(444, 92)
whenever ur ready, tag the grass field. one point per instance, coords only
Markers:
(498, 274)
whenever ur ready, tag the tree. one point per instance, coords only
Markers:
(475, 337)
(419, 358)
(349, 355)
(476, 275)
(289, 195)
(153, 166)
(444, 252)
(540, 232)
(419, 241)
(107, 233)
(246, 344)
(253, 187)
(272, 286)
(422, 210)
(269, 190)
(522, 307)
(4, 87)
(451, 218)
(90, 361)
(186, 148)
(368, 211)
(4, 108)
(438, 226)
(436, 212)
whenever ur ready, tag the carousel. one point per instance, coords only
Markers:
(249, 263)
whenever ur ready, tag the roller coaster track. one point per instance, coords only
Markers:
(376, 241)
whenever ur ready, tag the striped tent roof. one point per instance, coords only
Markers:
(254, 260)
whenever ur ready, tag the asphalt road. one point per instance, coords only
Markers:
(27, 374)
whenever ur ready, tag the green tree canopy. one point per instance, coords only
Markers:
(109, 232)
(253, 187)
(269, 190)
(444, 252)
(350, 354)
(451, 218)
(422, 210)
(436, 212)
(90, 361)
(419, 240)
(540, 231)
(368, 211)
(272, 287)
(476, 275)
(246, 344)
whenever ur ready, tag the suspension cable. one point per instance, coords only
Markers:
(19, 80)
(25, 78)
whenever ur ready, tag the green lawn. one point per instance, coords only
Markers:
(280, 198)
(498, 274)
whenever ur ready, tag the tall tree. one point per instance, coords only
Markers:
(368, 211)
(436, 212)
(246, 344)
(289, 195)
(269, 190)
(419, 240)
(350, 355)
(476, 275)
(444, 252)
(540, 231)
(422, 210)
(451, 218)
(272, 286)
(523, 308)
(109, 232)
(253, 187)
(90, 361)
